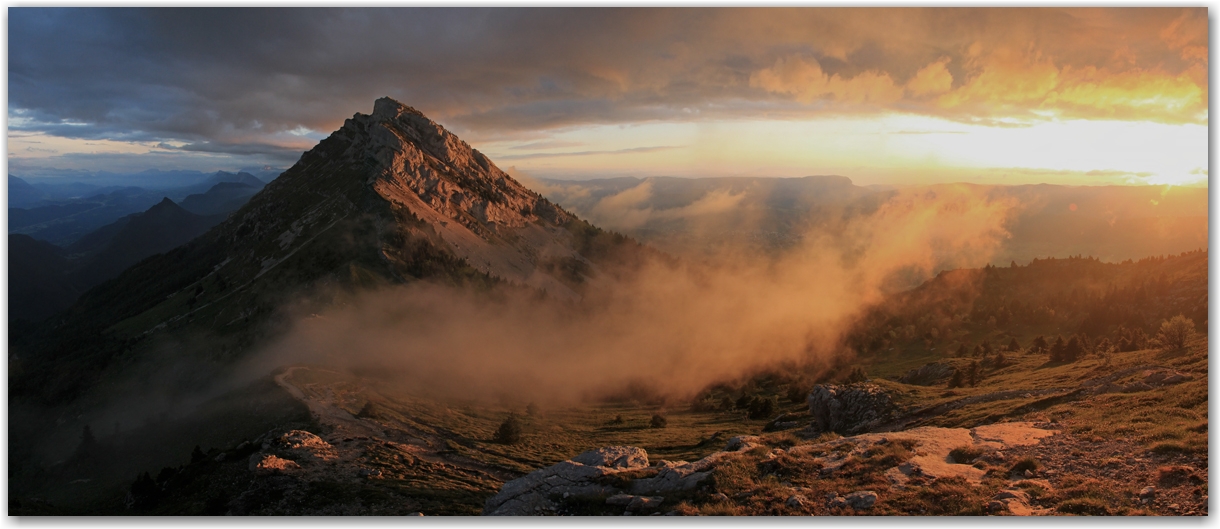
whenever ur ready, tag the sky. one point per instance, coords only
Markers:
(881, 95)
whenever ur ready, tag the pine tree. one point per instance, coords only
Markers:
(1057, 350)
(1073, 350)
(972, 373)
(1014, 346)
(1039, 345)
(1000, 360)
(956, 381)
(509, 431)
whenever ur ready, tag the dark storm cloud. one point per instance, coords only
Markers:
(223, 77)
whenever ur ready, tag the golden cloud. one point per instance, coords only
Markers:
(804, 79)
(1136, 64)
(932, 79)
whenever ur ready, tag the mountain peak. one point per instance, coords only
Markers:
(387, 108)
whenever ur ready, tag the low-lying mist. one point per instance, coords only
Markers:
(674, 328)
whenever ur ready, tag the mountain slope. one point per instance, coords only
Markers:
(22, 194)
(65, 223)
(47, 279)
(222, 198)
(388, 198)
(163, 227)
(38, 280)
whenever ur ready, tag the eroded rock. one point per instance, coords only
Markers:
(849, 409)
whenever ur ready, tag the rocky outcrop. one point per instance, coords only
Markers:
(928, 374)
(620, 479)
(537, 491)
(849, 409)
(597, 473)
(677, 476)
(267, 464)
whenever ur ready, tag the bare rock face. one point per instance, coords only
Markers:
(584, 476)
(614, 457)
(532, 494)
(479, 212)
(927, 375)
(677, 476)
(849, 409)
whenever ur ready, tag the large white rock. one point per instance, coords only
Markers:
(531, 494)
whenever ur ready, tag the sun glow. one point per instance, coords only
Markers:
(889, 149)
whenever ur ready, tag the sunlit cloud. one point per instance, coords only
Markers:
(593, 91)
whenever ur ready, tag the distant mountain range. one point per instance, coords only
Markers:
(61, 185)
(62, 221)
(47, 279)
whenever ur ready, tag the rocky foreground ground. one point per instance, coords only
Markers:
(885, 462)
(1016, 468)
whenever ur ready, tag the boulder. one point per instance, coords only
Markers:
(861, 499)
(741, 443)
(639, 503)
(849, 409)
(833, 501)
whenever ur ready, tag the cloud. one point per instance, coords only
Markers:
(932, 79)
(223, 76)
(672, 327)
(805, 79)
(547, 145)
(632, 150)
